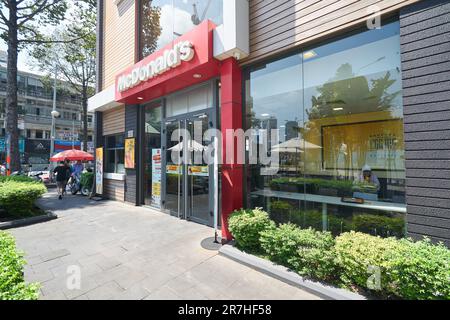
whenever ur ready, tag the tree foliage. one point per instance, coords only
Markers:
(151, 27)
(73, 56)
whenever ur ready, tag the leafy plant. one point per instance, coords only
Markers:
(359, 253)
(246, 225)
(365, 187)
(280, 211)
(385, 266)
(379, 225)
(313, 185)
(12, 283)
(307, 251)
(16, 178)
(420, 270)
(18, 198)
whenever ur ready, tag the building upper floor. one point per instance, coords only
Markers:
(130, 30)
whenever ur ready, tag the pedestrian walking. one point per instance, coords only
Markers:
(62, 174)
(69, 175)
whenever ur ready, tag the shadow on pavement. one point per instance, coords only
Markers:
(51, 202)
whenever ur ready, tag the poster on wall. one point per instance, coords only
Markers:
(129, 153)
(198, 171)
(99, 170)
(156, 177)
(378, 144)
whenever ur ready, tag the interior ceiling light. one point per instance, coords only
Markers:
(338, 109)
(265, 115)
(197, 76)
(140, 98)
(309, 54)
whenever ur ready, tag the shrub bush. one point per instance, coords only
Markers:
(411, 270)
(406, 269)
(420, 270)
(12, 284)
(307, 251)
(280, 211)
(245, 226)
(17, 198)
(357, 252)
(379, 225)
(16, 179)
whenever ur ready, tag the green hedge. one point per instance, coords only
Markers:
(245, 225)
(18, 198)
(379, 225)
(406, 269)
(12, 283)
(307, 251)
(16, 178)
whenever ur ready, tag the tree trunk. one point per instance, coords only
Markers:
(85, 117)
(12, 130)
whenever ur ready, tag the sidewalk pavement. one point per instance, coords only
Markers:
(126, 252)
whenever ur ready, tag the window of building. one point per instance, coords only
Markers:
(162, 21)
(39, 134)
(115, 154)
(339, 112)
(28, 133)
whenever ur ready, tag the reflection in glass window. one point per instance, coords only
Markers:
(340, 115)
(162, 21)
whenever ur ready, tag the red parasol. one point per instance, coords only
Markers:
(72, 155)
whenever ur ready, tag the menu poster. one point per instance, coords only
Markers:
(199, 171)
(156, 177)
(129, 153)
(99, 170)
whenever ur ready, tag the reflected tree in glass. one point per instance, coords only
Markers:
(150, 28)
(352, 92)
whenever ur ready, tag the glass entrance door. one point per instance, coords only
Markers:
(174, 183)
(189, 183)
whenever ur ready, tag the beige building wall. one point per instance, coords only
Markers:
(276, 26)
(118, 39)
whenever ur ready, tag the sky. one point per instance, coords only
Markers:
(24, 63)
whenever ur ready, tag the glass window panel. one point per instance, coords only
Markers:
(345, 124)
(120, 161)
(162, 21)
(274, 101)
(353, 109)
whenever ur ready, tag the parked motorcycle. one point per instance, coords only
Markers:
(76, 186)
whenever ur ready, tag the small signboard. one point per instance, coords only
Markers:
(130, 153)
(156, 177)
(99, 170)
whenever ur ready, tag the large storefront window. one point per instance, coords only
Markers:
(338, 108)
(162, 21)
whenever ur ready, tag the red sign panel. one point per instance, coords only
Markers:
(184, 62)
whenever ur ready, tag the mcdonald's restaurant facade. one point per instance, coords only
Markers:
(358, 93)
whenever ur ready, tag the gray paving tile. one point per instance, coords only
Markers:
(106, 291)
(126, 252)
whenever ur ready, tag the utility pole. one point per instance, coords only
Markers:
(54, 114)
(73, 134)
